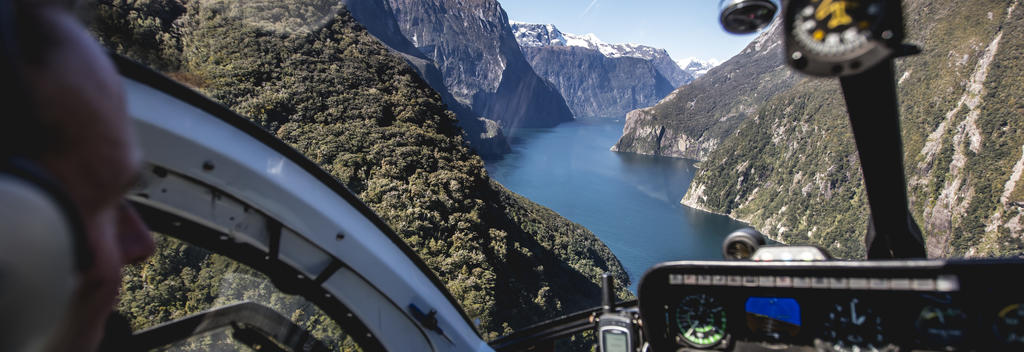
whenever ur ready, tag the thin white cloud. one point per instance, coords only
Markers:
(589, 7)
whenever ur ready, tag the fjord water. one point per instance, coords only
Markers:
(630, 201)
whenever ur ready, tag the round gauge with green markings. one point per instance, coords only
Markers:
(701, 321)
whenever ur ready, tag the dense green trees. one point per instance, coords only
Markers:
(180, 279)
(792, 169)
(345, 101)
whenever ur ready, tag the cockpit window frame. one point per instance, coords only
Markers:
(282, 275)
(255, 257)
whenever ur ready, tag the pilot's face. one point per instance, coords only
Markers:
(79, 90)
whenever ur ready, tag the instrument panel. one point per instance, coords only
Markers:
(834, 306)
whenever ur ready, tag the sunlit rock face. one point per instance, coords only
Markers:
(482, 66)
(532, 35)
(599, 79)
(484, 135)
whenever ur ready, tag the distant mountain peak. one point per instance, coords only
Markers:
(534, 35)
(698, 67)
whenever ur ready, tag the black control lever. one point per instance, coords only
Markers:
(874, 117)
(608, 292)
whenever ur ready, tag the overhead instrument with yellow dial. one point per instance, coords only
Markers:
(841, 37)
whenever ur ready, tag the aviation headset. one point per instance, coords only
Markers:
(42, 243)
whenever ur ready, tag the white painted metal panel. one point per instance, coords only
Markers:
(183, 138)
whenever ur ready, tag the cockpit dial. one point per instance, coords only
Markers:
(1009, 326)
(841, 37)
(835, 27)
(701, 321)
(854, 326)
(942, 325)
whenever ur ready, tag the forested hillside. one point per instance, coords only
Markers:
(484, 135)
(695, 119)
(792, 171)
(347, 102)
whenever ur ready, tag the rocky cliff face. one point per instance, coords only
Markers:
(531, 35)
(791, 170)
(965, 127)
(694, 119)
(668, 68)
(484, 135)
(480, 61)
(598, 86)
(643, 133)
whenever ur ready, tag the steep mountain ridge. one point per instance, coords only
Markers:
(483, 66)
(595, 84)
(483, 134)
(694, 119)
(792, 170)
(532, 35)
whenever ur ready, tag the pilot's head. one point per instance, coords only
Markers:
(78, 132)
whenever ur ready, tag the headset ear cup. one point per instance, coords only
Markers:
(42, 246)
(37, 264)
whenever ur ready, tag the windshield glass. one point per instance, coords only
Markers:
(520, 156)
(181, 280)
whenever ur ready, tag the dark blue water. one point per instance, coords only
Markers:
(631, 202)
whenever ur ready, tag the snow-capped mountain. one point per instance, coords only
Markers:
(537, 35)
(599, 79)
(532, 35)
(697, 67)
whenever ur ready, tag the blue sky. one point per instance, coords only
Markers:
(683, 27)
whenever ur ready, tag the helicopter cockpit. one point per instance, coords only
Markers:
(217, 181)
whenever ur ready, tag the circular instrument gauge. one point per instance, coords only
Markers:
(838, 37)
(853, 326)
(1009, 326)
(746, 16)
(834, 27)
(941, 325)
(701, 321)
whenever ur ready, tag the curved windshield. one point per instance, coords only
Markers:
(520, 156)
(181, 280)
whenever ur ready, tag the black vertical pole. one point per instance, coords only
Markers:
(608, 292)
(874, 117)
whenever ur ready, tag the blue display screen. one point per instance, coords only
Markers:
(779, 309)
